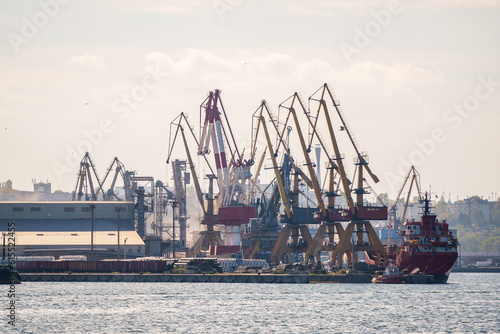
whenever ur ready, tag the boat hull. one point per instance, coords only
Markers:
(438, 264)
(391, 279)
(9, 276)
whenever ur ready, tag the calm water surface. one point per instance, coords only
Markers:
(468, 303)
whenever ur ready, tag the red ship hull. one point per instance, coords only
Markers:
(438, 264)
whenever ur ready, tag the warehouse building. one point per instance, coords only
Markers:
(73, 228)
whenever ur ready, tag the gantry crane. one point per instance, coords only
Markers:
(234, 210)
(85, 181)
(272, 206)
(331, 223)
(359, 213)
(329, 213)
(295, 223)
(393, 221)
(119, 169)
(294, 236)
(209, 236)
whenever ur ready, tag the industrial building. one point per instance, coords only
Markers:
(95, 229)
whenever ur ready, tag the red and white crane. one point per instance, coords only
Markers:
(233, 171)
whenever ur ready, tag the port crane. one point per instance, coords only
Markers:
(119, 169)
(294, 236)
(233, 171)
(330, 213)
(330, 223)
(85, 180)
(209, 219)
(392, 222)
(268, 214)
(359, 214)
(415, 179)
(296, 219)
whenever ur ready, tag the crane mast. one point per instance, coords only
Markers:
(209, 219)
(85, 180)
(309, 164)
(415, 179)
(119, 168)
(358, 214)
(234, 210)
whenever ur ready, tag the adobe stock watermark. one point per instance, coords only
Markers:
(10, 244)
(372, 29)
(121, 107)
(223, 6)
(30, 27)
(452, 117)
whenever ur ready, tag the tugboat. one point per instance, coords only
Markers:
(428, 248)
(8, 273)
(391, 276)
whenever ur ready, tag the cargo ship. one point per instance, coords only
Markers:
(428, 246)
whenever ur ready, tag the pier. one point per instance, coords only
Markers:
(196, 278)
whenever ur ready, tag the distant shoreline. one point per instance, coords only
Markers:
(476, 270)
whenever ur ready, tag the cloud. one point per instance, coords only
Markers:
(279, 72)
(86, 62)
(355, 7)
(162, 6)
(396, 73)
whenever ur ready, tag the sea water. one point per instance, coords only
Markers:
(469, 303)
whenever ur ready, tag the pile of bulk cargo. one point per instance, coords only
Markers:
(231, 265)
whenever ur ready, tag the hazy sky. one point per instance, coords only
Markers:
(418, 81)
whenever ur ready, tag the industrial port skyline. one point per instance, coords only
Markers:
(414, 94)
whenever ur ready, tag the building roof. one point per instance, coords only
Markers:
(62, 225)
(66, 210)
(67, 202)
(76, 238)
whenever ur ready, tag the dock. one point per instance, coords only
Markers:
(196, 278)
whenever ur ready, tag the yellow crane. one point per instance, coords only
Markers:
(281, 247)
(288, 241)
(209, 236)
(360, 214)
(392, 221)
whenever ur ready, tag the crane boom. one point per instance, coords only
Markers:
(256, 175)
(338, 158)
(414, 179)
(180, 128)
(284, 197)
(87, 169)
(361, 158)
(312, 173)
(193, 171)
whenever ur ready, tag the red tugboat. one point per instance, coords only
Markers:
(428, 248)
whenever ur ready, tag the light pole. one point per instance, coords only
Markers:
(125, 248)
(92, 207)
(118, 209)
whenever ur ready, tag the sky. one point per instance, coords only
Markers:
(419, 82)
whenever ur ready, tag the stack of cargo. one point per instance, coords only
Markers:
(230, 265)
(35, 258)
(124, 266)
(72, 258)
